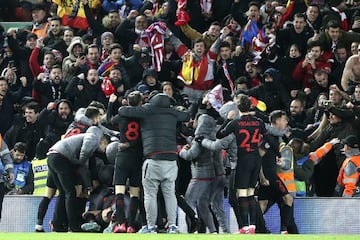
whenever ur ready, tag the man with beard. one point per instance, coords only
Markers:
(297, 114)
(83, 90)
(114, 88)
(52, 89)
(322, 84)
(57, 116)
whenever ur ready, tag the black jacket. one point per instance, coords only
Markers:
(89, 93)
(158, 121)
(27, 133)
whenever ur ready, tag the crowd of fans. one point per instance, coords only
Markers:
(298, 56)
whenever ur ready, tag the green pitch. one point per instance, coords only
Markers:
(93, 236)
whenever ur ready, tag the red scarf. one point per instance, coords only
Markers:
(344, 23)
(156, 32)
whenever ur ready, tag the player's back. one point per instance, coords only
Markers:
(248, 131)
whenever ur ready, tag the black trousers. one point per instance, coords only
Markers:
(63, 172)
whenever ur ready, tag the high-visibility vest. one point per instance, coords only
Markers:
(317, 155)
(42, 31)
(287, 175)
(40, 169)
(349, 176)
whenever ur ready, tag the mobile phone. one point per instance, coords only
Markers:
(11, 64)
(82, 55)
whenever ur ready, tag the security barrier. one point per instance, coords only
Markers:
(312, 215)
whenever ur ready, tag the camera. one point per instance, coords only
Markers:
(326, 103)
(145, 55)
(6, 178)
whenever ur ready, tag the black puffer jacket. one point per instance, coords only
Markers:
(158, 126)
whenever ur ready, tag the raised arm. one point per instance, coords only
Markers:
(218, 144)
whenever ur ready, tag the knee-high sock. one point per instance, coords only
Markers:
(244, 210)
(120, 208)
(292, 228)
(43, 207)
(285, 213)
(252, 209)
(133, 209)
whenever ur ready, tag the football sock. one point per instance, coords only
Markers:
(43, 206)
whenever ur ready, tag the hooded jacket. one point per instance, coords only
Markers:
(272, 93)
(202, 159)
(68, 67)
(149, 72)
(158, 120)
(78, 149)
(228, 142)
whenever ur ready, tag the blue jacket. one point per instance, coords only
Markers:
(21, 172)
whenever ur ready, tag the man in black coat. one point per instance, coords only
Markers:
(28, 130)
(158, 121)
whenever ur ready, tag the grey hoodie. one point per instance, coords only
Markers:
(202, 159)
(228, 142)
(81, 118)
(79, 148)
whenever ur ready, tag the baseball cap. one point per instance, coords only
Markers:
(352, 141)
(143, 88)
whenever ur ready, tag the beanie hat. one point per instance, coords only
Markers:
(106, 34)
